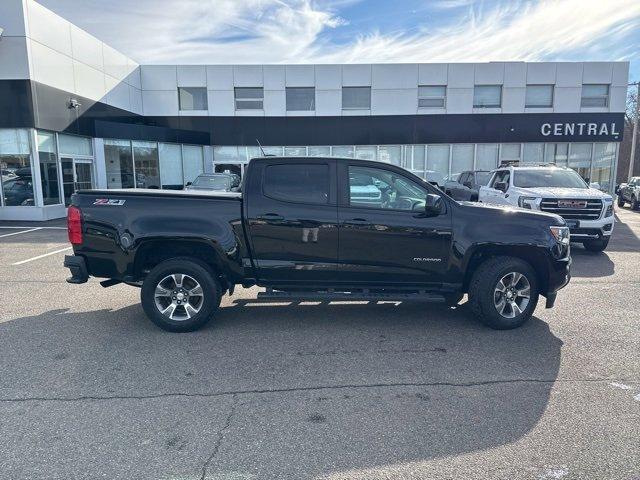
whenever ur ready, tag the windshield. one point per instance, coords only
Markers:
(482, 178)
(214, 182)
(548, 178)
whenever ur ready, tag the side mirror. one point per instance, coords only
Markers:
(502, 186)
(433, 204)
(189, 184)
(467, 184)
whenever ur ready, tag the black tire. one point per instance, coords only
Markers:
(198, 271)
(620, 201)
(596, 245)
(482, 292)
(635, 203)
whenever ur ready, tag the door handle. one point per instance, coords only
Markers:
(356, 221)
(272, 217)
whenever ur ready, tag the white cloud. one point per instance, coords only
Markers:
(517, 31)
(297, 31)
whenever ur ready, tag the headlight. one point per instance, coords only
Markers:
(561, 234)
(527, 202)
(608, 204)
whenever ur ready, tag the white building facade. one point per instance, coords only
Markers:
(75, 113)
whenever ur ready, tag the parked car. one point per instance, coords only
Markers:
(219, 182)
(630, 193)
(467, 185)
(296, 230)
(588, 212)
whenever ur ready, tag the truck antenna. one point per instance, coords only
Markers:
(261, 149)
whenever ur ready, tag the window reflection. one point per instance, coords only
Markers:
(15, 168)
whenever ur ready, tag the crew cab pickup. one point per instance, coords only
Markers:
(587, 211)
(317, 228)
(630, 192)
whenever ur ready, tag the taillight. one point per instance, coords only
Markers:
(74, 225)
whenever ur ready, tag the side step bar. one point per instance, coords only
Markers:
(361, 294)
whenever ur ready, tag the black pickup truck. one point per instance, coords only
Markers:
(317, 228)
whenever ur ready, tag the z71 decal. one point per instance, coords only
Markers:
(109, 201)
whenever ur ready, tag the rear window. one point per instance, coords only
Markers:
(300, 183)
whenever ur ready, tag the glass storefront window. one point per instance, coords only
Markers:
(319, 151)
(171, 166)
(343, 152)
(193, 159)
(295, 151)
(418, 158)
(235, 154)
(604, 156)
(15, 168)
(486, 156)
(74, 145)
(48, 168)
(580, 159)
(390, 154)
(437, 163)
(461, 158)
(119, 164)
(367, 152)
(557, 153)
(510, 151)
(275, 151)
(253, 152)
(147, 165)
(533, 153)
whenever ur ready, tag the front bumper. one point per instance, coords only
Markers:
(591, 229)
(77, 267)
(559, 276)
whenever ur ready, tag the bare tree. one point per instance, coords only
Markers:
(632, 105)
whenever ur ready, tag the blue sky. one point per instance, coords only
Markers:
(332, 31)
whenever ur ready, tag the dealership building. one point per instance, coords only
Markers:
(76, 113)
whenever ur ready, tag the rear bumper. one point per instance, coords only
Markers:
(77, 267)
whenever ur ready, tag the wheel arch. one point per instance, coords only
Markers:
(533, 256)
(152, 252)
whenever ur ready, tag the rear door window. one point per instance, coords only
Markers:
(297, 182)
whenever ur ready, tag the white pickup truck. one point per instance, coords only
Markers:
(560, 190)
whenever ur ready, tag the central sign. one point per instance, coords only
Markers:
(570, 129)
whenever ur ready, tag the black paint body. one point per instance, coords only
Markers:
(250, 238)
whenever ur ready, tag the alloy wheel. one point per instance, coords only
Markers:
(511, 294)
(179, 296)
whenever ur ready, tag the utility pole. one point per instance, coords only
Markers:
(634, 137)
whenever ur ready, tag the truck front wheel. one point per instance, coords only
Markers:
(596, 245)
(180, 295)
(503, 292)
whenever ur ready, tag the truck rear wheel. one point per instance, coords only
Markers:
(180, 295)
(503, 292)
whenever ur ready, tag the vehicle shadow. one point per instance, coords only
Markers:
(589, 264)
(624, 238)
(372, 384)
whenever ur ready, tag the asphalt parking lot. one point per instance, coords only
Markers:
(89, 388)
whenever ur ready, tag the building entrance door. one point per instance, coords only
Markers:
(77, 175)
